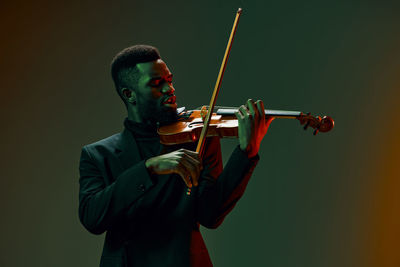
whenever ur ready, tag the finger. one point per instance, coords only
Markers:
(190, 169)
(195, 166)
(244, 111)
(197, 163)
(260, 107)
(252, 109)
(239, 115)
(193, 154)
(181, 170)
(268, 119)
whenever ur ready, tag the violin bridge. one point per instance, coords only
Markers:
(203, 113)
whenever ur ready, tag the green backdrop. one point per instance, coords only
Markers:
(327, 200)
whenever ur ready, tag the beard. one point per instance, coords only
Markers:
(154, 112)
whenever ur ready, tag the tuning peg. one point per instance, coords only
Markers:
(308, 121)
(306, 126)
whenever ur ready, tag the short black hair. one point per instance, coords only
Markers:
(128, 58)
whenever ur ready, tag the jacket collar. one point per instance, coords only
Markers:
(127, 150)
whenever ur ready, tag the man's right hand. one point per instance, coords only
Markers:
(184, 162)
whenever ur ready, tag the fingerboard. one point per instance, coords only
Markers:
(268, 112)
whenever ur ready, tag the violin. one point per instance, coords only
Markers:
(224, 124)
(196, 125)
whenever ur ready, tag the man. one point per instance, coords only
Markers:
(135, 189)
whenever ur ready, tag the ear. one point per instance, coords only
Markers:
(129, 95)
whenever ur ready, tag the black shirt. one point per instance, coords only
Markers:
(146, 137)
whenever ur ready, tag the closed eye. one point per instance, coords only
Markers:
(157, 81)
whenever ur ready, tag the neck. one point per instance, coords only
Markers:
(134, 115)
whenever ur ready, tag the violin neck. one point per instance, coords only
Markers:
(284, 114)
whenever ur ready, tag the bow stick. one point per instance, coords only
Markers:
(200, 145)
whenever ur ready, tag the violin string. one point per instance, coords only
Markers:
(218, 107)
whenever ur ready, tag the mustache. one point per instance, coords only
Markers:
(171, 98)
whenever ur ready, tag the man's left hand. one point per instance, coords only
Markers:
(253, 125)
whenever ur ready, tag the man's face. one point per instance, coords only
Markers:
(155, 97)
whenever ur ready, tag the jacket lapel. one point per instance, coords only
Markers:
(127, 150)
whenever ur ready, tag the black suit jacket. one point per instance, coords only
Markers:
(149, 220)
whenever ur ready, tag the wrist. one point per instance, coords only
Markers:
(251, 151)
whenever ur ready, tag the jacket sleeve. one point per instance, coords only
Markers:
(102, 206)
(220, 188)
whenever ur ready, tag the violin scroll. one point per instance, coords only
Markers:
(324, 124)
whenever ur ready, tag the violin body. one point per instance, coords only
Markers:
(188, 128)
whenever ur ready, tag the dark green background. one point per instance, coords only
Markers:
(311, 199)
